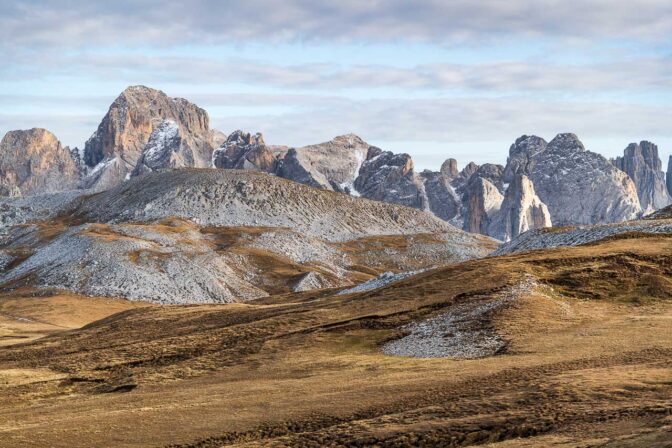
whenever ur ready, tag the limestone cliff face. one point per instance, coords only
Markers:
(521, 210)
(481, 204)
(114, 150)
(34, 162)
(642, 164)
(578, 186)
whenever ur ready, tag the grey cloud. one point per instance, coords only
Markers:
(153, 22)
(631, 74)
(459, 120)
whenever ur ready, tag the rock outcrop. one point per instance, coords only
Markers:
(242, 150)
(482, 201)
(578, 186)
(521, 210)
(493, 173)
(441, 197)
(520, 155)
(122, 137)
(163, 150)
(449, 168)
(313, 280)
(390, 177)
(34, 162)
(642, 164)
(331, 165)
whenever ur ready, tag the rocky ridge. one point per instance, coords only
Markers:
(246, 198)
(208, 235)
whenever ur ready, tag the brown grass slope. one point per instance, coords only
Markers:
(587, 363)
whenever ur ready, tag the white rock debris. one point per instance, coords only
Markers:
(383, 279)
(458, 333)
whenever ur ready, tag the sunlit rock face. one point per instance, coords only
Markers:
(114, 150)
(34, 162)
(521, 210)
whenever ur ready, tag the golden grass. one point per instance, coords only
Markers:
(585, 363)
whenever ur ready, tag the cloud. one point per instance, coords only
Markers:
(430, 125)
(152, 22)
(644, 73)
(456, 120)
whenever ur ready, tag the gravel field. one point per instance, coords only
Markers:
(460, 332)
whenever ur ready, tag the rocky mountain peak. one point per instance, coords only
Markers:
(642, 164)
(521, 151)
(390, 177)
(33, 162)
(566, 142)
(349, 140)
(124, 132)
(528, 144)
(332, 165)
(468, 170)
(580, 186)
(449, 168)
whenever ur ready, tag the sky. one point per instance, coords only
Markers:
(433, 78)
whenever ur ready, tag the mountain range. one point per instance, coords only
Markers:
(543, 184)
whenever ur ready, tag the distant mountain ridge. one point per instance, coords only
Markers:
(542, 184)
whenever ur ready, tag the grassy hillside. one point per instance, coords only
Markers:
(587, 362)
